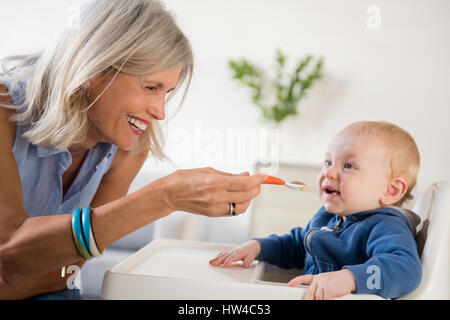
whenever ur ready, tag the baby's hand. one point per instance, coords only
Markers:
(246, 252)
(327, 285)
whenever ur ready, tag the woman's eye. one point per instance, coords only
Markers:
(152, 88)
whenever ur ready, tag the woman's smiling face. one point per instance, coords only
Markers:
(355, 174)
(128, 106)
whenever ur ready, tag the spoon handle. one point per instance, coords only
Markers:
(273, 180)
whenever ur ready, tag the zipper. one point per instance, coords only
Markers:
(308, 239)
(336, 227)
(308, 248)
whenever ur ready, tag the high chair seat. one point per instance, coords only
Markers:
(433, 239)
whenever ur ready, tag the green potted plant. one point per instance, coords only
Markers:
(278, 98)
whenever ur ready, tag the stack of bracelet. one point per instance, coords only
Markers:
(83, 235)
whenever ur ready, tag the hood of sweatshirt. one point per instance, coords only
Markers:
(409, 216)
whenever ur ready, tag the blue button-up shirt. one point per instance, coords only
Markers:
(41, 171)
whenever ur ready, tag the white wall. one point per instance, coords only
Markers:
(398, 73)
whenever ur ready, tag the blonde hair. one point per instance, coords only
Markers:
(405, 156)
(137, 37)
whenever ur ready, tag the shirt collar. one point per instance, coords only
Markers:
(46, 152)
(104, 150)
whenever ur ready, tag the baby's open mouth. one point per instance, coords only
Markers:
(330, 190)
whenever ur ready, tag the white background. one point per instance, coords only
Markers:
(398, 73)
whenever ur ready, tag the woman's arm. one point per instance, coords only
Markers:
(113, 214)
(32, 247)
(122, 171)
(116, 182)
(50, 282)
(37, 246)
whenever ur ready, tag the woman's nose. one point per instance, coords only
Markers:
(157, 109)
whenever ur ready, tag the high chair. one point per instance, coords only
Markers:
(154, 271)
(433, 239)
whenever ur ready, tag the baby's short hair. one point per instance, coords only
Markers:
(405, 156)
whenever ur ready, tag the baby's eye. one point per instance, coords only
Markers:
(348, 166)
(327, 163)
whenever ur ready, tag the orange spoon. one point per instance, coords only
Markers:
(293, 184)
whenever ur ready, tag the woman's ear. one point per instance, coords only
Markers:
(90, 84)
(395, 190)
(86, 85)
(96, 79)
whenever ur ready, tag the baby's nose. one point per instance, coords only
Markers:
(331, 173)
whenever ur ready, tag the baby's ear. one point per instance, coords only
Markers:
(395, 190)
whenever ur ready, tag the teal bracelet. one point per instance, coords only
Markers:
(86, 226)
(78, 235)
(88, 234)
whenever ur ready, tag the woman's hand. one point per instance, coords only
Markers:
(209, 192)
(246, 252)
(327, 285)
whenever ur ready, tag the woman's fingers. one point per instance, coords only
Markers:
(242, 183)
(242, 207)
(239, 208)
(210, 192)
(239, 196)
(223, 173)
(221, 200)
(212, 170)
(224, 209)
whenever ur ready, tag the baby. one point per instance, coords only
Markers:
(361, 240)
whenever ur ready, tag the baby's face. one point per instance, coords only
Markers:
(355, 174)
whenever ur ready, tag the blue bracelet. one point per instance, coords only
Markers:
(86, 224)
(88, 234)
(78, 235)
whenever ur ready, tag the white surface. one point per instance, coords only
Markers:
(192, 263)
(174, 269)
(398, 73)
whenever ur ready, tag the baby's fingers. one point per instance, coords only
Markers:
(311, 293)
(247, 261)
(304, 279)
(218, 260)
(235, 256)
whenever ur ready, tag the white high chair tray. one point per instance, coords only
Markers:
(179, 270)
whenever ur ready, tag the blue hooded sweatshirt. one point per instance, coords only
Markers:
(377, 246)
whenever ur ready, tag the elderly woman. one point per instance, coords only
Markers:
(77, 122)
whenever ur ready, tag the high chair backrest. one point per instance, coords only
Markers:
(434, 242)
